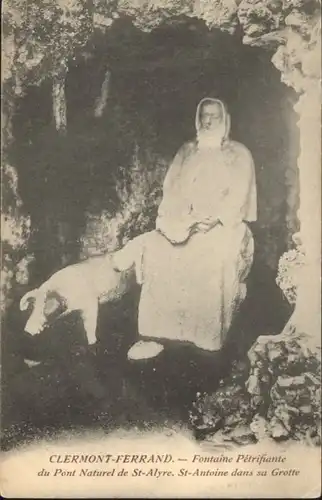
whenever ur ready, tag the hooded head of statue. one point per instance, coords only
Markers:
(212, 123)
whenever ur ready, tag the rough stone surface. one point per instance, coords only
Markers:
(285, 373)
(218, 13)
(15, 230)
(276, 396)
(15, 224)
(259, 17)
(288, 272)
(229, 409)
(138, 191)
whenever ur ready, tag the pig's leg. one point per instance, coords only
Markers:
(89, 315)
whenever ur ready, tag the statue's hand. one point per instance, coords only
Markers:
(205, 225)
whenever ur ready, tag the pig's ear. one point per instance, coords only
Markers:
(54, 304)
(24, 302)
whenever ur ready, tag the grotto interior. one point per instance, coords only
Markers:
(90, 189)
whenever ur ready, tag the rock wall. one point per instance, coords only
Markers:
(139, 192)
(275, 394)
(298, 37)
(280, 389)
(15, 229)
(15, 223)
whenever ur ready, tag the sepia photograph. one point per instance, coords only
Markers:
(161, 249)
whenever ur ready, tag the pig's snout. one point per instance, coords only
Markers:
(37, 320)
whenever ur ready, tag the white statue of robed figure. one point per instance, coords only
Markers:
(192, 268)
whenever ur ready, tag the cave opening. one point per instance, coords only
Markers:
(156, 81)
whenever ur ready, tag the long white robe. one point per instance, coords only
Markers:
(193, 282)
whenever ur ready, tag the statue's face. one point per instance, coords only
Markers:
(211, 116)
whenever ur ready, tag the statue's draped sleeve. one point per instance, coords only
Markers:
(240, 202)
(172, 211)
(173, 173)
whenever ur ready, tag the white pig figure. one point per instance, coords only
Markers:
(79, 287)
